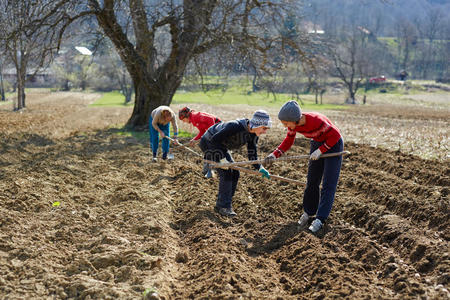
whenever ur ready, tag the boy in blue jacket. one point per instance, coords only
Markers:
(222, 137)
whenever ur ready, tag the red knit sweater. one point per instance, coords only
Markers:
(202, 121)
(317, 127)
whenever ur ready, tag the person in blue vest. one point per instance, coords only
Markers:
(222, 137)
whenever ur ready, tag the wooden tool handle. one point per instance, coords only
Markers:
(254, 172)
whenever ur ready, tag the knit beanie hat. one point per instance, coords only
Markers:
(290, 111)
(260, 118)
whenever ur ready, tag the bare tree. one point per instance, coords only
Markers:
(292, 80)
(443, 69)
(188, 28)
(406, 41)
(64, 69)
(32, 32)
(429, 29)
(349, 55)
(316, 71)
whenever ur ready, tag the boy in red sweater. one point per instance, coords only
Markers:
(325, 137)
(199, 119)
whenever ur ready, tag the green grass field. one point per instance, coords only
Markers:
(239, 92)
(216, 97)
(253, 99)
(112, 99)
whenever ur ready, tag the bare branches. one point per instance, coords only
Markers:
(351, 58)
(32, 34)
(140, 25)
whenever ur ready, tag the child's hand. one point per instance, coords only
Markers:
(269, 160)
(315, 155)
(264, 172)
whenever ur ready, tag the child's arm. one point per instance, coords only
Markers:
(286, 144)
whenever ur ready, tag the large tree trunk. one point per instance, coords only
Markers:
(152, 87)
(142, 105)
(148, 98)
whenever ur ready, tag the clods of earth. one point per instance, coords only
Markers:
(85, 214)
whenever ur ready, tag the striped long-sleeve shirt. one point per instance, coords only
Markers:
(317, 127)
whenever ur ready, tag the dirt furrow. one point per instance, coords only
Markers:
(408, 167)
(425, 206)
(267, 240)
(89, 216)
(85, 221)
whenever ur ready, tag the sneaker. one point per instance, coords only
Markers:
(170, 156)
(227, 212)
(303, 220)
(209, 174)
(205, 168)
(154, 159)
(164, 156)
(315, 225)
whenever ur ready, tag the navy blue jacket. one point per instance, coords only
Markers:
(233, 135)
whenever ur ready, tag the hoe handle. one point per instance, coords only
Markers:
(245, 170)
(283, 158)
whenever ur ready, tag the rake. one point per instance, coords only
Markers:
(283, 158)
(245, 170)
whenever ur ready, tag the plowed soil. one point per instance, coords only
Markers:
(85, 214)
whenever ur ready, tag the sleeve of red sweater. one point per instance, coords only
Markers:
(202, 121)
(333, 137)
(286, 144)
(331, 134)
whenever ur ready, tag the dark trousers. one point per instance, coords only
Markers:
(228, 178)
(318, 201)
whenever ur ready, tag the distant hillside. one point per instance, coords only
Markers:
(377, 15)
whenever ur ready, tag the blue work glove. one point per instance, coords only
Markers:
(264, 172)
